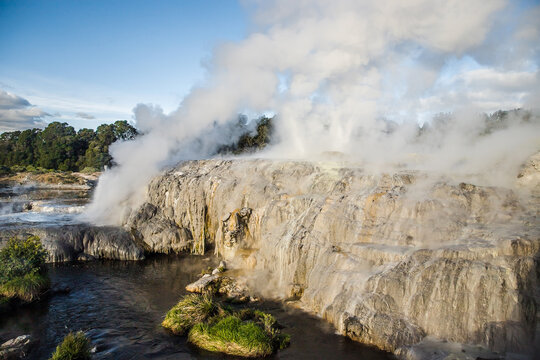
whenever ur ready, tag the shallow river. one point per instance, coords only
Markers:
(121, 305)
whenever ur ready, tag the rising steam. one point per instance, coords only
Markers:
(357, 77)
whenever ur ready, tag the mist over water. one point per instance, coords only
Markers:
(367, 79)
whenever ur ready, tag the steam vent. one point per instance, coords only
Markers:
(399, 261)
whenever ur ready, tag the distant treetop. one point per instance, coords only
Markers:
(60, 147)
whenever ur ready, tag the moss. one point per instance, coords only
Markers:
(73, 347)
(27, 288)
(192, 309)
(232, 336)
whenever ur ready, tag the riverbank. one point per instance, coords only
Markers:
(53, 179)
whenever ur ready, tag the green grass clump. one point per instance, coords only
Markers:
(216, 327)
(27, 287)
(192, 309)
(73, 347)
(232, 336)
(22, 274)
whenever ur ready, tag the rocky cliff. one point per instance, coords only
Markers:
(389, 259)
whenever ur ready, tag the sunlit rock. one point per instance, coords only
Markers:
(387, 258)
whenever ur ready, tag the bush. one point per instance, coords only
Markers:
(73, 347)
(21, 257)
(89, 170)
(18, 168)
(192, 309)
(21, 269)
(232, 336)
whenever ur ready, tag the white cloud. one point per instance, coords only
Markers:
(84, 115)
(16, 113)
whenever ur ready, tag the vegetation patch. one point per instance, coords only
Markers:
(22, 274)
(215, 327)
(27, 288)
(191, 310)
(73, 347)
(60, 147)
(232, 336)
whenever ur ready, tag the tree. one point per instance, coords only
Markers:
(56, 147)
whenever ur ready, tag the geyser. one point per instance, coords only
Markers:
(355, 77)
(388, 203)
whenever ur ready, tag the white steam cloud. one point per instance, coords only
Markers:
(355, 77)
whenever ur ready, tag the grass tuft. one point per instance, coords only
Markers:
(73, 347)
(192, 309)
(216, 327)
(26, 288)
(232, 336)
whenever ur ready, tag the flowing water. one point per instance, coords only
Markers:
(120, 304)
(29, 205)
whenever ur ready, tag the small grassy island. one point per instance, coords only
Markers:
(215, 327)
(23, 277)
(75, 346)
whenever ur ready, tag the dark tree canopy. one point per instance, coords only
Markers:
(60, 147)
(251, 141)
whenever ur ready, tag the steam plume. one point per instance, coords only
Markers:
(355, 77)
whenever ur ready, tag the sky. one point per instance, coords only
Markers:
(89, 62)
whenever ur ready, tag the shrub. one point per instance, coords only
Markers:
(89, 170)
(73, 347)
(21, 269)
(192, 309)
(232, 336)
(21, 257)
(18, 168)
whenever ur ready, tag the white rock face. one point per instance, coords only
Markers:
(388, 259)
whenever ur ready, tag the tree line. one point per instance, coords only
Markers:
(60, 147)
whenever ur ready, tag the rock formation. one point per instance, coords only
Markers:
(80, 242)
(388, 259)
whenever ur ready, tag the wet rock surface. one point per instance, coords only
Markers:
(80, 242)
(388, 259)
(16, 348)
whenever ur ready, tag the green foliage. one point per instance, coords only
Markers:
(73, 347)
(214, 327)
(27, 288)
(281, 341)
(89, 170)
(59, 147)
(21, 257)
(249, 141)
(192, 309)
(21, 264)
(232, 336)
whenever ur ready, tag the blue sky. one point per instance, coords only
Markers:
(88, 62)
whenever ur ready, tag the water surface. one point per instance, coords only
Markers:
(121, 305)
